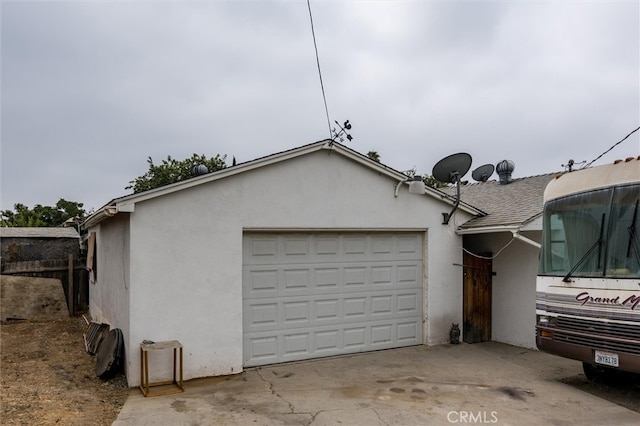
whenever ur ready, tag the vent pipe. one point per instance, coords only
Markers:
(504, 170)
(199, 169)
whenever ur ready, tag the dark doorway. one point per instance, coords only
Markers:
(477, 298)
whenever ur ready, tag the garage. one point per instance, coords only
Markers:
(316, 294)
(307, 253)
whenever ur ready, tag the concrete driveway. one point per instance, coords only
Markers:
(486, 383)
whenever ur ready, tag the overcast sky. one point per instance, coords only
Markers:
(90, 89)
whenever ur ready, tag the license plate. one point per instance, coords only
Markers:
(607, 358)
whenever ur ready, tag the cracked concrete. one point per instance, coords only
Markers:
(486, 383)
(291, 407)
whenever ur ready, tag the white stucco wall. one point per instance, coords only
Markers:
(444, 290)
(186, 251)
(109, 294)
(513, 287)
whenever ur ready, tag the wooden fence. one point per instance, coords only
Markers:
(71, 273)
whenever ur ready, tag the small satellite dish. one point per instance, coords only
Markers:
(450, 169)
(483, 173)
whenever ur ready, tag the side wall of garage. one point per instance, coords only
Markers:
(110, 282)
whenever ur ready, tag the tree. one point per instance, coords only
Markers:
(433, 182)
(172, 170)
(374, 156)
(42, 216)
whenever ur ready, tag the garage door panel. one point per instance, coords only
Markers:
(382, 305)
(345, 248)
(355, 338)
(275, 313)
(327, 279)
(271, 319)
(296, 248)
(382, 274)
(355, 247)
(355, 277)
(263, 247)
(327, 342)
(265, 281)
(408, 331)
(296, 314)
(408, 303)
(408, 275)
(381, 334)
(274, 347)
(355, 308)
(296, 345)
(262, 282)
(298, 279)
(382, 244)
(409, 246)
(327, 310)
(262, 349)
(327, 247)
(259, 316)
(321, 294)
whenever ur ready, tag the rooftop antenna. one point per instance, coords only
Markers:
(342, 133)
(450, 170)
(570, 164)
(483, 173)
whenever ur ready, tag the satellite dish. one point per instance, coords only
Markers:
(450, 169)
(482, 173)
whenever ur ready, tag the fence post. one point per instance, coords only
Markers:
(70, 286)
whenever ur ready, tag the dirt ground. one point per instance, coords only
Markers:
(48, 378)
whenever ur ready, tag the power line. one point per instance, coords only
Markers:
(489, 257)
(315, 45)
(614, 145)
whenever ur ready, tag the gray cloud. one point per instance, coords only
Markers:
(90, 89)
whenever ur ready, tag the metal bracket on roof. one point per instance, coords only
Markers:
(447, 216)
(525, 239)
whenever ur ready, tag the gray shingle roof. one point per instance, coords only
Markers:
(38, 232)
(515, 203)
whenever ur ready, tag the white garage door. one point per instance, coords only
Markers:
(320, 294)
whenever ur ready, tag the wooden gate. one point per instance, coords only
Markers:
(477, 298)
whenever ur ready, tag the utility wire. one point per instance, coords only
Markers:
(489, 257)
(315, 45)
(614, 145)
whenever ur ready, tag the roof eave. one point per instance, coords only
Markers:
(128, 202)
(100, 215)
(450, 199)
